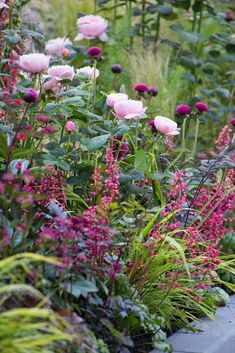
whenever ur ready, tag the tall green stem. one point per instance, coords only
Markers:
(143, 20)
(200, 18)
(157, 29)
(195, 137)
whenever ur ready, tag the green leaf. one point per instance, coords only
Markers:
(184, 4)
(222, 92)
(178, 247)
(163, 10)
(141, 162)
(94, 143)
(79, 288)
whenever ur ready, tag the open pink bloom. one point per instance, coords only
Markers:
(113, 98)
(70, 126)
(129, 109)
(61, 72)
(56, 46)
(91, 27)
(165, 126)
(34, 63)
(3, 5)
(91, 72)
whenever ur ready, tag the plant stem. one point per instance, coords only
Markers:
(136, 133)
(200, 19)
(143, 20)
(157, 29)
(114, 16)
(183, 145)
(195, 137)
(12, 144)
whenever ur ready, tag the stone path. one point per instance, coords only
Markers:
(217, 337)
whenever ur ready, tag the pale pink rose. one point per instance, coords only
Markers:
(165, 126)
(113, 98)
(56, 46)
(3, 5)
(91, 72)
(34, 63)
(70, 126)
(129, 109)
(91, 27)
(61, 72)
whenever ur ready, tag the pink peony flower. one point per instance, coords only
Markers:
(58, 73)
(129, 109)
(201, 107)
(183, 109)
(91, 27)
(3, 5)
(61, 72)
(91, 72)
(165, 126)
(113, 98)
(70, 126)
(34, 63)
(57, 46)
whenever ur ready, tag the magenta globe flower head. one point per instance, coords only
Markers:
(232, 121)
(34, 63)
(229, 16)
(94, 52)
(91, 27)
(165, 126)
(201, 107)
(141, 87)
(31, 96)
(183, 109)
(153, 91)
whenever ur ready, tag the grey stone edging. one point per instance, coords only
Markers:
(217, 336)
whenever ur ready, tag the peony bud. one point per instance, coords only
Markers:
(31, 96)
(70, 126)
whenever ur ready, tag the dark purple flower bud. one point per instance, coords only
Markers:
(232, 121)
(31, 96)
(201, 107)
(123, 151)
(151, 124)
(94, 52)
(141, 87)
(229, 16)
(183, 109)
(153, 91)
(116, 69)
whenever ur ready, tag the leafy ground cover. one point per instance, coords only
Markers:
(116, 172)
